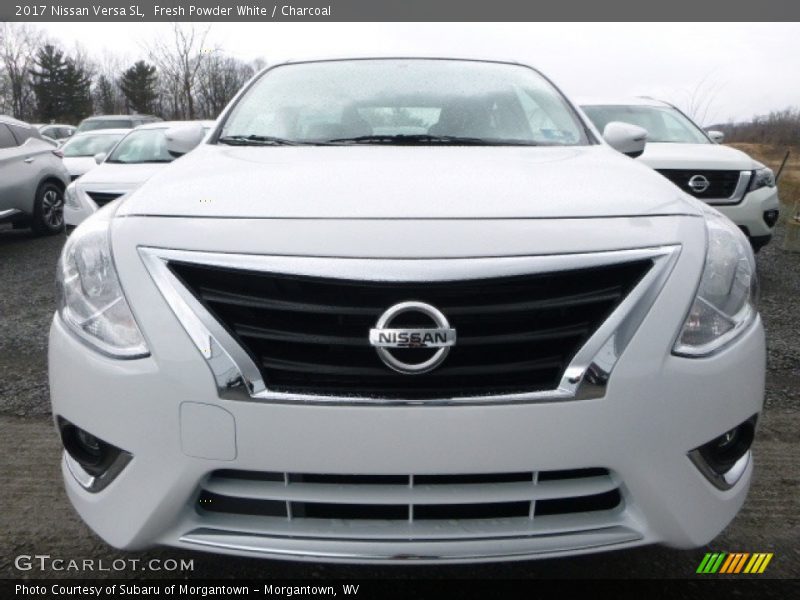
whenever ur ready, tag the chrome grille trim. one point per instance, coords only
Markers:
(239, 378)
(506, 548)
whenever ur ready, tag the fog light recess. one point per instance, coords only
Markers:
(724, 459)
(771, 217)
(94, 463)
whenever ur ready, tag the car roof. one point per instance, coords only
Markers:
(168, 124)
(118, 117)
(12, 121)
(620, 101)
(491, 58)
(102, 132)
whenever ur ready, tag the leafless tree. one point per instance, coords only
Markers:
(108, 97)
(179, 59)
(700, 101)
(219, 79)
(5, 93)
(18, 45)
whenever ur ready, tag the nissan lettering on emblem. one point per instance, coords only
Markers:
(440, 337)
(699, 184)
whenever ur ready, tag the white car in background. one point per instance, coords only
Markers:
(57, 132)
(135, 158)
(115, 122)
(80, 150)
(739, 187)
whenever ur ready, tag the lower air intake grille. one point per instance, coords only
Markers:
(409, 498)
(103, 198)
(310, 335)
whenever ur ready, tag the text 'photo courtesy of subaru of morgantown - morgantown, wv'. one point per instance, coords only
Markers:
(413, 309)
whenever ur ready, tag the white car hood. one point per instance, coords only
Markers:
(116, 173)
(696, 156)
(412, 182)
(79, 165)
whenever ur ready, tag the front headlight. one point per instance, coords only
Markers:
(762, 178)
(90, 298)
(726, 300)
(71, 196)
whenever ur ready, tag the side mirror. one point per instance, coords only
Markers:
(716, 136)
(183, 138)
(626, 138)
(100, 157)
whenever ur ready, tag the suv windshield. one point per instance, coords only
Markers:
(401, 101)
(664, 124)
(142, 146)
(89, 145)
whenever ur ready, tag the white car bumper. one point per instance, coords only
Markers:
(749, 213)
(81, 206)
(165, 411)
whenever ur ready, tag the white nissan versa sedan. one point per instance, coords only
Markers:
(741, 188)
(479, 333)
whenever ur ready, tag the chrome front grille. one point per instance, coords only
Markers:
(310, 335)
(313, 501)
(721, 184)
(530, 328)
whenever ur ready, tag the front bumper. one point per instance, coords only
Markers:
(642, 431)
(749, 213)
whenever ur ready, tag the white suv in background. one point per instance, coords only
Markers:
(741, 188)
(406, 310)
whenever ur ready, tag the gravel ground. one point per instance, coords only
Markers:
(769, 522)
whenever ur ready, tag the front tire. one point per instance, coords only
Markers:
(48, 210)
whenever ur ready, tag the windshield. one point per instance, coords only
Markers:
(89, 145)
(105, 124)
(403, 101)
(142, 146)
(664, 124)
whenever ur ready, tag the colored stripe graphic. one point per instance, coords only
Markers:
(758, 563)
(718, 563)
(728, 562)
(734, 563)
(741, 562)
(766, 562)
(711, 562)
(703, 563)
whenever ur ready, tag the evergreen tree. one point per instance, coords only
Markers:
(61, 87)
(138, 84)
(104, 96)
(47, 82)
(77, 93)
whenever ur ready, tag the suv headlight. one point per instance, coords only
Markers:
(726, 300)
(71, 196)
(90, 298)
(762, 178)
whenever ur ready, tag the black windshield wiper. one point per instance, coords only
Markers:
(425, 138)
(256, 140)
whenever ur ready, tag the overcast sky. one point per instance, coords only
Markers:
(745, 68)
